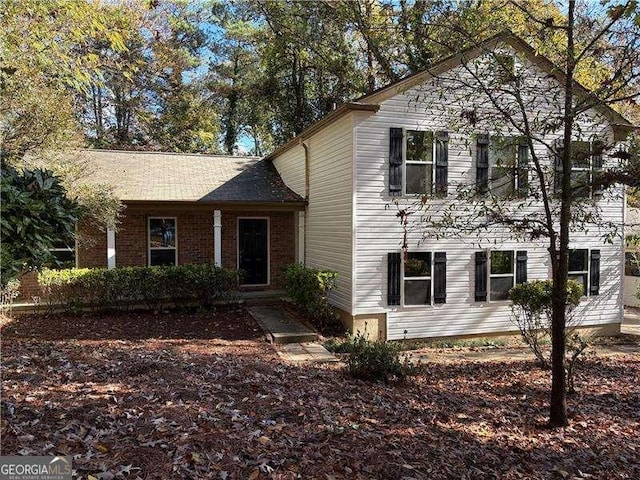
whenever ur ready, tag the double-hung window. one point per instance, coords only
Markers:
(417, 278)
(64, 253)
(497, 272)
(584, 268)
(507, 158)
(418, 162)
(163, 241)
(501, 274)
(586, 166)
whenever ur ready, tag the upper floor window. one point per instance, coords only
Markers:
(502, 166)
(163, 241)
(586, 165)
(418, 162)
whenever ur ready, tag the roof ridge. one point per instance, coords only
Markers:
(156, 152)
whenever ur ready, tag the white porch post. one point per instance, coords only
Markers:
(217, 238)
(300, 237)
(111, 248)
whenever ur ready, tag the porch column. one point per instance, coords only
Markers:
(300, 234)
(217, 238)
(111, 248)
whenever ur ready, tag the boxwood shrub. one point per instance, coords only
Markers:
(310, 289)
(125, 287)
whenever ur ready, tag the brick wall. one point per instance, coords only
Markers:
(195, 238)
(91, 248)
(282, 241)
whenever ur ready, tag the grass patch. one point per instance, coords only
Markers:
(345, 344)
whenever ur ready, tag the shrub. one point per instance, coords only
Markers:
(532, 313)
(310, 289)
(8, 293)
(378, 360)
(123, 287)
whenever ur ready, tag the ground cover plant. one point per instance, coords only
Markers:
(177, 395)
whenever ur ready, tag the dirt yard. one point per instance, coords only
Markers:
(198, 396)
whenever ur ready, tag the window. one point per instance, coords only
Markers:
(501, 274)
(510, 166)
(418, 162)
(64, 254)
(416, 278)
(505, 68)
(586, 165)
(63, 251)
(584, 268)
(162, 241)
(506, 268)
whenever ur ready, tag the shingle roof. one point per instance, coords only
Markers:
(152, 176)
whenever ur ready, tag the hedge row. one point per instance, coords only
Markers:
(124, 287)
(310, 289)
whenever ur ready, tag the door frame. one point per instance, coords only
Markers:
(268, 219)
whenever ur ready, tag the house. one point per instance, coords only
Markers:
(330, 197)
(632, 269)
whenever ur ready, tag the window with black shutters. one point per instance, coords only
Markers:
(584, 268)
(509, 166)
(424, 278)
(418, 162)
(500, 270)
(586, 167)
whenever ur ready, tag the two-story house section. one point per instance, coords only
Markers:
(362, 163)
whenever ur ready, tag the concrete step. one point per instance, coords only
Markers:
(306, 352)
(281, 327)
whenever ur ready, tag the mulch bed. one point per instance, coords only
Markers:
(202, 396)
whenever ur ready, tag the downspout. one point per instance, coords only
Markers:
(306, 195)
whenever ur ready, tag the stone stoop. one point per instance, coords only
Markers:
(281, 328)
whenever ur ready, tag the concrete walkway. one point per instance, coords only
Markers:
(294, 341)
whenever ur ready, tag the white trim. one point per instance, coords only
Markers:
(430, 278)
(587, 272)
(217, 238)
(268, 219)
(514, 266)
(416, 162)
(300, 228)
(111, 248)
(175, 219)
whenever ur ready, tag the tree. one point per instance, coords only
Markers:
(34, 214)
(545, 118)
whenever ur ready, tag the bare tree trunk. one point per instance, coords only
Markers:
(558, 401)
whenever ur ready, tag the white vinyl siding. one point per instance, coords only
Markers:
(328, 219)
(378, 231)
(290, 166)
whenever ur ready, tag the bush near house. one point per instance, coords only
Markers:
(378, 360)
(122, 288)
(310, 289)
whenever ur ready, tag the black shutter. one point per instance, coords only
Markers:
(521, 267)
(522, 186)
(394, 264)
(395, 161)
(482, 164)
(594, 281)
(481, 276)
(597, 148)
(440, 277)
(557, 165)
(442, 163)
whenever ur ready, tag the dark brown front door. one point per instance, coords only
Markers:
(253, 250)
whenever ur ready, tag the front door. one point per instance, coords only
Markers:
(253, 250)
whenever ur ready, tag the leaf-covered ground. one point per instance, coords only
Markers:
(197, 396)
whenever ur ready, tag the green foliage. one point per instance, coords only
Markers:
(378, 360)
(122, 288)
(34, 214)
(532, 312)
(310, 289)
